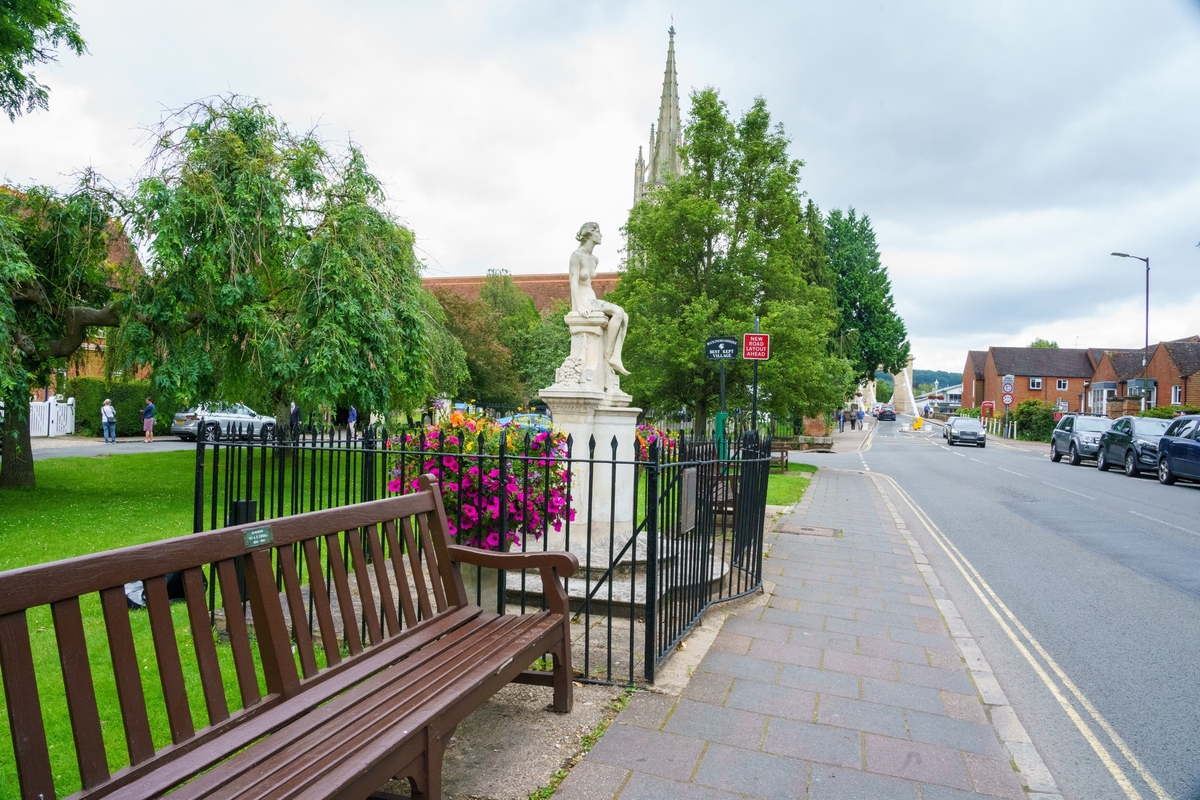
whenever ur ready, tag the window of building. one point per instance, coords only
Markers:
(1176, 395)
(1035, 383)
(1062, 384)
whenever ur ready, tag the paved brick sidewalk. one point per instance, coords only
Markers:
(850, 682)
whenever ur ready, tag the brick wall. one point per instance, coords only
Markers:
(1163, 369)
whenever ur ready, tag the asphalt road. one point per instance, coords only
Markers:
(1094, 625)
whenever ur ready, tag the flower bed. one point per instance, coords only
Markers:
(493, 499)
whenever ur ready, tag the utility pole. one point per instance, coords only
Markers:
(1146, 351)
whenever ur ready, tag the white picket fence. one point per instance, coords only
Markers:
(52, 418)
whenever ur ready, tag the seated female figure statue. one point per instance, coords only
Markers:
(584, 301)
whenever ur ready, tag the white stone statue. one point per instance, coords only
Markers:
(584, 301)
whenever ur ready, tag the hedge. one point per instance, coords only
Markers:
(1035, 420)
(128, 398)
(1167, 412)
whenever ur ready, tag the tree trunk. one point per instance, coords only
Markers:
(16, 471)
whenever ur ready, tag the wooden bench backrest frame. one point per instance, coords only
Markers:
(414, 556)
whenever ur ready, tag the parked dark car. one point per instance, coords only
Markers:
(1078, 437)
(1131, 442)
(1179, 450)
(887, 412)
(966, 430)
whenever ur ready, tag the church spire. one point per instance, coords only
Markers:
(665, 159)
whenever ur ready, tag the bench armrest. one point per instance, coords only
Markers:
(554, 566)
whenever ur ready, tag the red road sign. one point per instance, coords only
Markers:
(1008, 398)
(1006, 388)
(756, 346)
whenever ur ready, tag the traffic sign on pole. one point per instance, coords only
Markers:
(1006, 387)
(756, 346)
(1008, 398)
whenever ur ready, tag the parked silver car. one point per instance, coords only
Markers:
(222, 420)
(1078, 436)
(966, 430)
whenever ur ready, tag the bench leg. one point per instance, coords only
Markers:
(564, 683)
(427, 783)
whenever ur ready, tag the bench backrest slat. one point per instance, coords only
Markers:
(402, 587)
(337, 569)
(319, 592)
(363, 578)
(387, 601)
(128, 674)
(239, 635)
(24, 708)
(170, 668)
(80, 691)
(431, 558)
(299, 619)
(215, 701)
(414, 561)
(274, 641)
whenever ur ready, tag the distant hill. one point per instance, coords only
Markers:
(921, 376)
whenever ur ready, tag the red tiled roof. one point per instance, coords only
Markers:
(545, 288)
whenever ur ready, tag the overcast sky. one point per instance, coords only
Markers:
(1003, 150)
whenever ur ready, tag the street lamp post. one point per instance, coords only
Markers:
(1146, 352)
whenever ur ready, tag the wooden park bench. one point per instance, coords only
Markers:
(338, 719)
(780, 451)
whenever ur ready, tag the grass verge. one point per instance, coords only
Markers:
(785, 488)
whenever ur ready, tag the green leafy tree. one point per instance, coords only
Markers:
(884, 391)
(544, 348)
(515, 312)
(61, 261)
(447, 359)
(722, 243)
(30, 32)
(492, 376)
(1046, 343)
(864, 296)
(274, 264)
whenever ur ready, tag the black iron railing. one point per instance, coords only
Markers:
(693, 536)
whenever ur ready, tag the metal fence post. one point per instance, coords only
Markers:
(652, 472)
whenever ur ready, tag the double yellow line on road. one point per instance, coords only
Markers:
(1027, 644)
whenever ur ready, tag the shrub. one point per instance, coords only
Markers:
(1035, 420)
(128, 398)
(968, 412)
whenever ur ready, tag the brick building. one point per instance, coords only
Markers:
(972, 378)
(1053, 375)
(1174, 369)
(1114, 371)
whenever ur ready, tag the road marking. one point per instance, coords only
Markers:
(1163, 522)
(977, 583)
(1072, 491)
(960, 455)
(1014, 473)
(977, 461)
(947, 449)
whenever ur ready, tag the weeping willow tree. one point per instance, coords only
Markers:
(273, 271)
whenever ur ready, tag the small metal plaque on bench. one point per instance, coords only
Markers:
(808, 530)
(257, 537)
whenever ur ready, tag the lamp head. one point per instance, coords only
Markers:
(1122, 255)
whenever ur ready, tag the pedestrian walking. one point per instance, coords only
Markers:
(294, 419)
(108, 421)
(352, 420)
(148, 421)
(853, 419)
(862, 420)
(841, 420)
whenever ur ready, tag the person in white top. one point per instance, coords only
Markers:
(108, 421)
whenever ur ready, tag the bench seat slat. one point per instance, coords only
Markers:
(24, 707)
(211, 746)
(81, 692)
(392, 704)
(239, 635)
(170, 668)
(128, 673)
(215, 701)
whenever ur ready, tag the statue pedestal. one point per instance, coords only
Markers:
(586, 402)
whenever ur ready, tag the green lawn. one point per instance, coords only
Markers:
(87, 505)
(785, 488)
